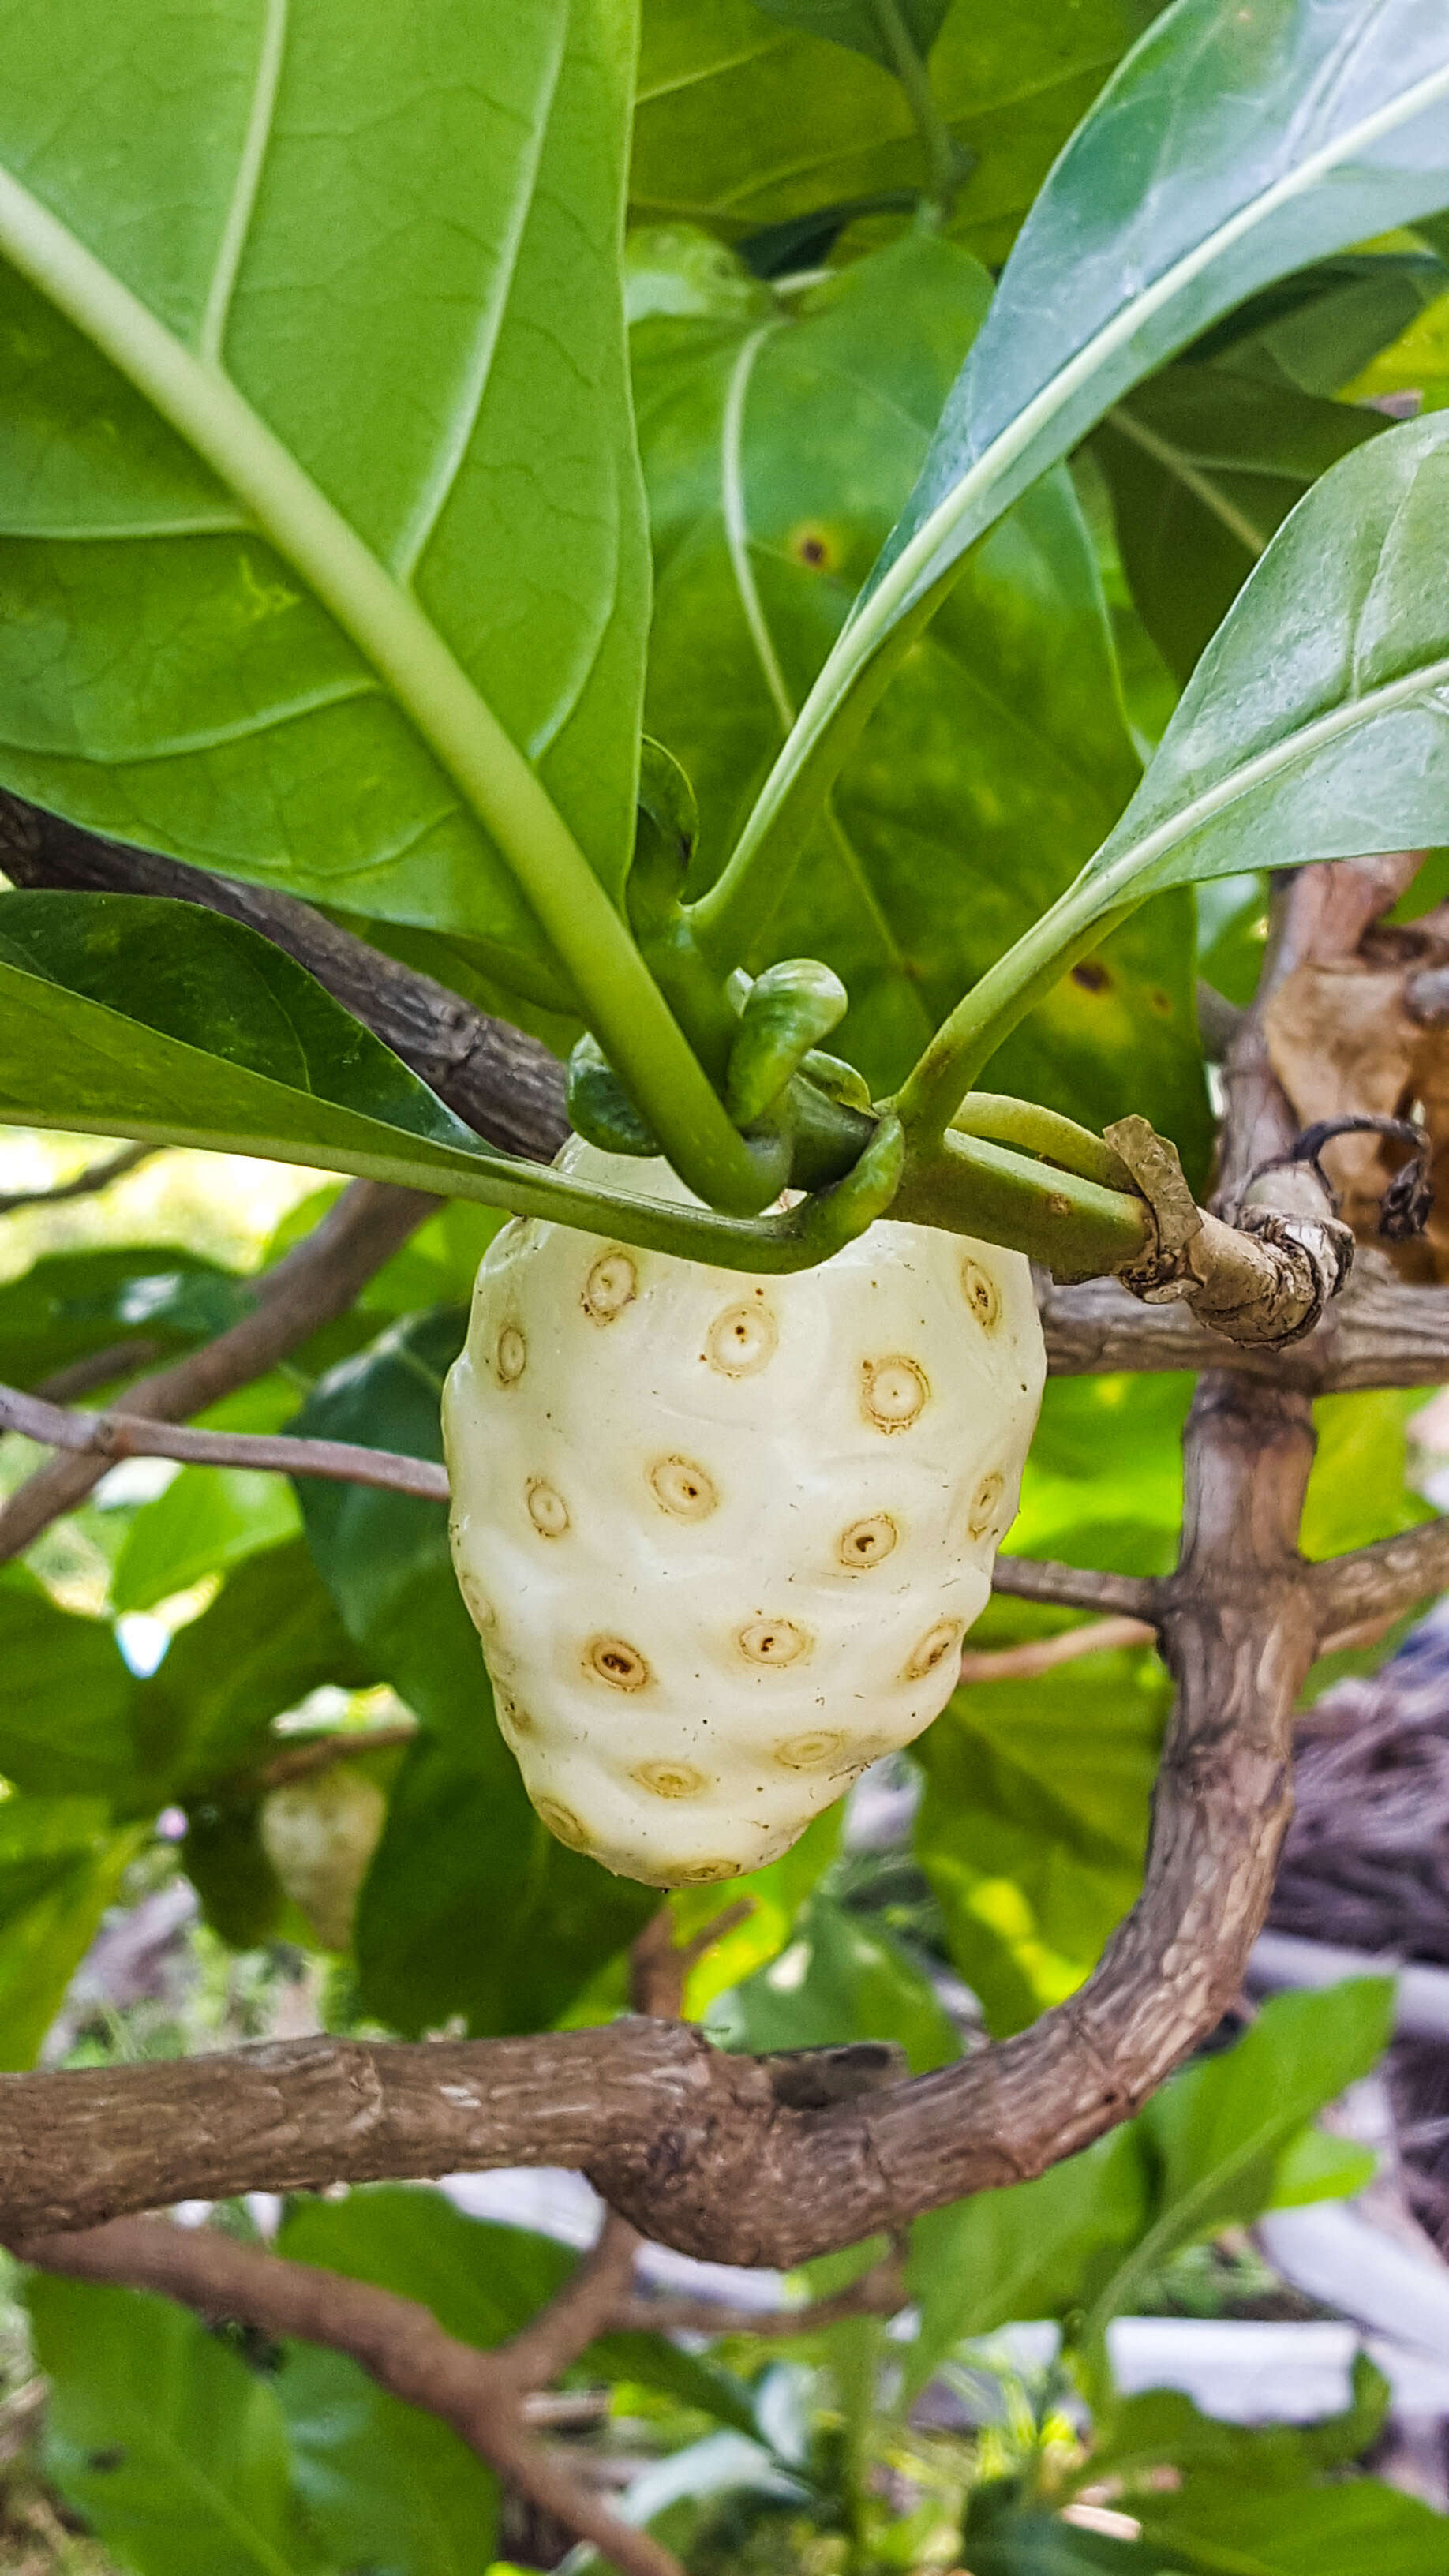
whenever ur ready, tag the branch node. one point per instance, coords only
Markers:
(1266, 1278)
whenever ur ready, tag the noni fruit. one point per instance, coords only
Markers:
(722, 1536)
(319, 1835)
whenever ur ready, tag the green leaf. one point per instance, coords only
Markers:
(270, 1637)
(1036, 2249)
(69, 1305)
(840, 1979)
(320, 518)
(1338, 2530)
(1040, 2544)
(742, 125)
(470, 1905)
(386, 2485)
(779, 438)
(1310, 129)
(61, 1865)
(1312, 727)
(208, 1519)
(66, 1709)
(1219, 2129)
(1033, 1827)
(862, 24)
(481, 2281)
(171, 2448)
(1204, 465)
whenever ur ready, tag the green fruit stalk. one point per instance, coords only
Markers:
(721, 1536)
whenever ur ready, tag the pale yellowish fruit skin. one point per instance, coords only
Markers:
(722, 1536)
(319, 1835)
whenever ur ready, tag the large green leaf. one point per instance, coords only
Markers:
(67, 1699)
(1338, 2529)
(172, 2449)
(320, 517)
(1313, 726)
(69, 1305)
(1218, 2132)
(742, 124)
(780, 435)
(863, 26)
(840, 1979)
(1033, 1827)
(208, 1519)
(1312, 126)
(470, 1906)
(61, 1865)
(386, 2485)
(1204, 465)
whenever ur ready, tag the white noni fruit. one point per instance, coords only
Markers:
(319, 1835)
(722, 1536)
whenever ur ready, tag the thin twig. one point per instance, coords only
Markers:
(1078, 1587)
(586, 2306)
(98, 1368)
(1039, 1655)
(130, 1435)
(86, 1185)
(397, 2341)
(316, 1282)
(303, 1761)
(881, 2292)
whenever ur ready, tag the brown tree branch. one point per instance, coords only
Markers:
(86, 1185)
(397, 2341)
(130, 1435)
(317, 1281)
(303, 1761)
(1040, 1655)
(1076, 1587)
(507, 1086)
(1375, 1585)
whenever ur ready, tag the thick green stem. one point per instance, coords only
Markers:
(616, 992)
(943, 156)
(966, 1042)
(1005, 1120)
(1076, 1227)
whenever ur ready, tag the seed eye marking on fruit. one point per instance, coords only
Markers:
(612, 1284)
(616, 1662)
(562, 1823)
(894, 1392)
(774, 1641)
(982, 1294)
(809, 1752)
(625, 1653)
(670, 1779)
(547, 1509)
(867, 1542)
(741, 1340)
(683, 1488)
(933, 1649)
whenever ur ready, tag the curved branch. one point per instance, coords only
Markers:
(86, 1185)
(316, 1282)
(397, 2341)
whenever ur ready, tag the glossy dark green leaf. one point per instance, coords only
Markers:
(742, 124)
(1313, 725)
(300, 454)
(1217, 2133)
(779, 437)
(69, 1305)
(1311, 129)
(861, 24)
(839, 1979)
(1316, 329)
(470, 1906)
(1204, 465)
(208, 1520)
(240, 1894)
(169, 2446)
(386, 2485)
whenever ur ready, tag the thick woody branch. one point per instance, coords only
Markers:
(315, 1283)
(1076, 1587)
(129, 1435)
(507, 1086)
(1376, 1585)
(1379, 1332)
(398, 2342)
